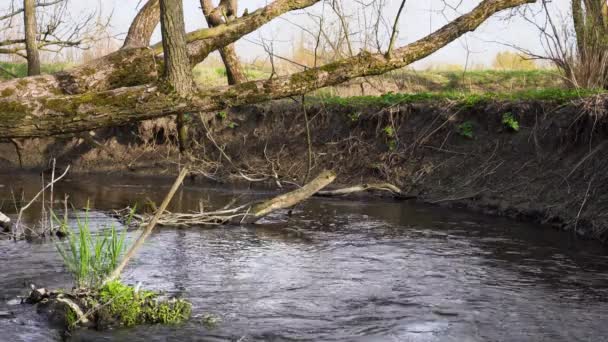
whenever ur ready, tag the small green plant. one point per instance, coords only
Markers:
(90, 258)
(222, 115)
(392, 145)
(465, 129)
(354, 117)
(70, 317)
(389, 131)
(232, 124)
(510, 122)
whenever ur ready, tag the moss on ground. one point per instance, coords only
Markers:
(130, 307)
(119, 305)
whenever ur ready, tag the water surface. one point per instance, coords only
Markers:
(336, 270)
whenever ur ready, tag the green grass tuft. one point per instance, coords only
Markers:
(90, 258)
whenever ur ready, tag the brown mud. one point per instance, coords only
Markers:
(553, 170)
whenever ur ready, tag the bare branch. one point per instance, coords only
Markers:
(20, 10)
(395, 32)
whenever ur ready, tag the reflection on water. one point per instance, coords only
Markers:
(361, 271)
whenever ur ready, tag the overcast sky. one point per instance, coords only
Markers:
(420, 18)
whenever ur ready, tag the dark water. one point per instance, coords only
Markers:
(362, 271)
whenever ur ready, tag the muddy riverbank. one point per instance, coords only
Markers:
(551, 170)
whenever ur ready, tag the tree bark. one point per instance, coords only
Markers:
(123, 68)
(215, 17)
(203, 42)
(31, 42)
(177, 72)
(142, 27)
(579, 25)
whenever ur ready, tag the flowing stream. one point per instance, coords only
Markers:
(336, 270)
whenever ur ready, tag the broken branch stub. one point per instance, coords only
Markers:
(292, 198)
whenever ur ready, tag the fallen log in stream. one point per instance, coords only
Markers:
(253, 211)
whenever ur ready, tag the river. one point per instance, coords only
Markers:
(336, 270)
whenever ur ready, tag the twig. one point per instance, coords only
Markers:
(24, 208)
(580, 210)
(308, 140)
(77, 310)
(246, 213)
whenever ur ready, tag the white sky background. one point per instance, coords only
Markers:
(420, 17)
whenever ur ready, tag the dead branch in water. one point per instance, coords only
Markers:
(245, 213)
(387, 187)
(253, 211)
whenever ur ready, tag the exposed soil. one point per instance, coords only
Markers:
(552, 171)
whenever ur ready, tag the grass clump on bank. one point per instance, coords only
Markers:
(465, 99)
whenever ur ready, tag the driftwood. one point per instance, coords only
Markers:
(245, 213)
(5, 222)
(253, 211)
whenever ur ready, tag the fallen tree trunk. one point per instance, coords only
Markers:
(123, 68)
(35, 117)
(138, 65)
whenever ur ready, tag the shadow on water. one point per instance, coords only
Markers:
(335, 270)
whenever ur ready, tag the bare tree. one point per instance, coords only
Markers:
(46, 27)
(123, 87)
(177, 71)
(590, 19)
(216, 16)
(575, 43)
